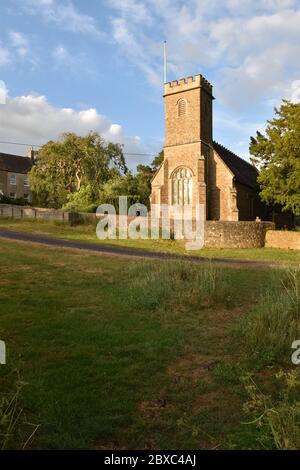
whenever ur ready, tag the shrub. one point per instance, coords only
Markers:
(81, 201)
(114, 201)
(18, 201)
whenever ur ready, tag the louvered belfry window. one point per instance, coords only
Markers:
(182, 107)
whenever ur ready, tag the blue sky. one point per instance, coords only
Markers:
(98, 65)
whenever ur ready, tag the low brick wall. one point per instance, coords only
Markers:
(221, 234)
(283, 239)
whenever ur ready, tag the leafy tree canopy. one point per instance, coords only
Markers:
(137, 186)
(64, 167)
(157, 161)
(277, 155)
(79, 173)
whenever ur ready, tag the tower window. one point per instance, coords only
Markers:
(182, 107)
(182, 186)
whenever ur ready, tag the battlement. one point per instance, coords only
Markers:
(188, 83)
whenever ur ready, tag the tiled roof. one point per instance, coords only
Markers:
(244, 172)
(14, 163)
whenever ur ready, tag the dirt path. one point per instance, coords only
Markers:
(121, 251)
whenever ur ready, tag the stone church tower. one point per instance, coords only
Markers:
(197, 170)
(188, 143)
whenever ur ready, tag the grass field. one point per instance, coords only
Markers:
(110, 353)
(87, 233)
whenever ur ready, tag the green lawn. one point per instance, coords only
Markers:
(87, 233)
(125, 354)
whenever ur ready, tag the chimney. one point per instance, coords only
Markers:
(30, 154)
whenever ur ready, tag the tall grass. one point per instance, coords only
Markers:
(178, 282)
(15, 431)
(277, 417)
(267, 334)
(268, 331)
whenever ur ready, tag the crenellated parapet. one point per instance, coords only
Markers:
(189, 83)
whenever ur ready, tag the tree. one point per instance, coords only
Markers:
(65, 167)
(81, 201)
(157, 161)
(137, 187)
(144, 175)
(277, 156)
(122, 185)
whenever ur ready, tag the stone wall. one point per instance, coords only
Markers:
(27, 212)
(283, 239)
(221, 234)
(218, 234)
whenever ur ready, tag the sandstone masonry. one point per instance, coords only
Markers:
(197, 170)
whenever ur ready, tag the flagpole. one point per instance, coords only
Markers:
(165, 61)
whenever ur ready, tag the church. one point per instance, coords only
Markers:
(197, 170)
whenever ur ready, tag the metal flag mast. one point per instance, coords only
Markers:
(165, 61)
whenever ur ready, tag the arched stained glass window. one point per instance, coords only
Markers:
(182, 186)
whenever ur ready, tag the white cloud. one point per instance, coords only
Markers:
(32, 119)
(138, 50)
(60, 53)
(3, 92)
(247, 7)
(251, 47)
(76, 62)
(137, 11)
(116, 129)
(260, 54)
(124, 37)
(20, 49)
(19, 42)
(294, 94)
(62, 13)
(4, 56)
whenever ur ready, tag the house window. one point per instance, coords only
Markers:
(182, 186)
(26, 182)
(12, 180)
(182, 107)
(26, 197)
(12, 195)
